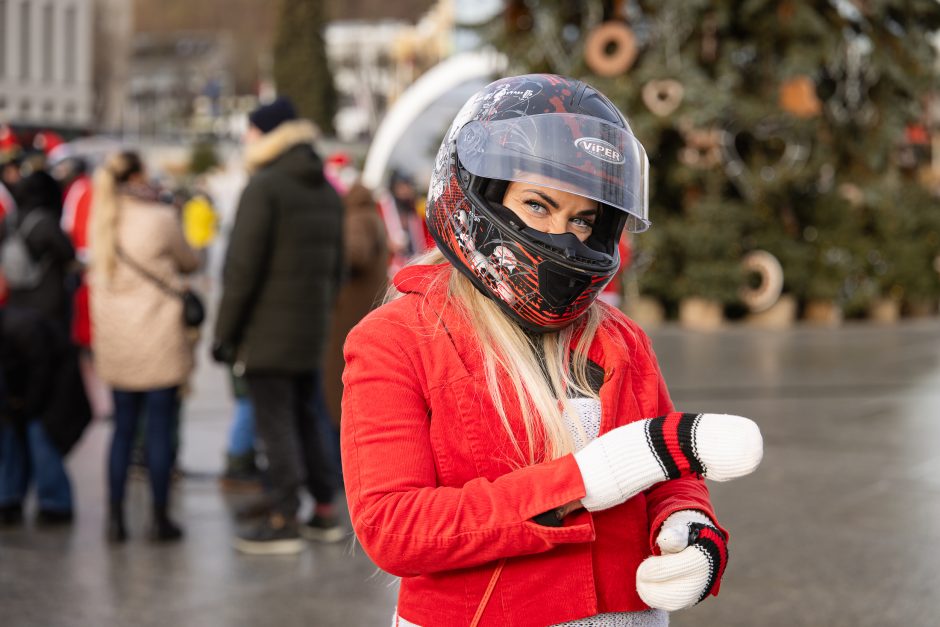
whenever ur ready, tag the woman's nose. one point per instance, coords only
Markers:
(558, 225)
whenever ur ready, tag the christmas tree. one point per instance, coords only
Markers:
(771, 125)
(301, 71)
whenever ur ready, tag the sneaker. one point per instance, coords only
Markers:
(241, 475)
(54, 518)
(276, 535)
(323, 529)
(258, 507)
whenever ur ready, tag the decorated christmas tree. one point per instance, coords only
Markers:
(771, 125)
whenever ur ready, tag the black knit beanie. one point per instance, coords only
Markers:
(268, 117)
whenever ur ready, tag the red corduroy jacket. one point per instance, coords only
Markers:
(436, 499)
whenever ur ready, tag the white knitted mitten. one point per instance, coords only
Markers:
(694, 557)
(629, 459)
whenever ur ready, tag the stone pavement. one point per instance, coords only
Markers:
(838, 527)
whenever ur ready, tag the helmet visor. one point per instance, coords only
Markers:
(569, 152)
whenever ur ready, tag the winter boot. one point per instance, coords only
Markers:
(117, 530)
(164, 529)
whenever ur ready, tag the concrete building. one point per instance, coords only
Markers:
(45, 63)
(179, 83)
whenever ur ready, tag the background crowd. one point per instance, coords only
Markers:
(102, 315)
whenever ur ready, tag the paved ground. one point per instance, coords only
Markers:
(838, 527)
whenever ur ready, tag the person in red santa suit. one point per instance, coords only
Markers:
(73, 175)
(510, 449)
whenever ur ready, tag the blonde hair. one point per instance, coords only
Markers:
(513, 365)
(105, 211)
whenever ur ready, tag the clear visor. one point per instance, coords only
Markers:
(565, 151)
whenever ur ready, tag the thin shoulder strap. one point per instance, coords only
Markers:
(139, 269)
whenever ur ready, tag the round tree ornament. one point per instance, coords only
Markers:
(663, 97)
(766, 292)
(610, 49)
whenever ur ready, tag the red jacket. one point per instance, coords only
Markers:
(432, 490)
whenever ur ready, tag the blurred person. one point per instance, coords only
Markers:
(72, 174)
(37, 280)
(404, 194)
(509, 445)
(281, 277)
(43, 412)
(612, 294)
(9, 173)
(7, 203)
(366, 256)
(200, 222)
(241, 467)
(142, 347)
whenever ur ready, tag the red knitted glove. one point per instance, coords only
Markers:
(695, 554)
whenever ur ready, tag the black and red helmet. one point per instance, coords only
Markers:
(532, 128)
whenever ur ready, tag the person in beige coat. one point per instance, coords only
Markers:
(141, 346)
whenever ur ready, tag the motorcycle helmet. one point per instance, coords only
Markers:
(551, 131)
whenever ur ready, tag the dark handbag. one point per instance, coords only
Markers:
(194, 312)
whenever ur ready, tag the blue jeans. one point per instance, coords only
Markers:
(161, 422)
(241, 435)
(28, 456)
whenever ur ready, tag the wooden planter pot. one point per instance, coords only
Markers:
(885, 311)
(823, 313)
(780, 315)
(701, 314)
(646, 311)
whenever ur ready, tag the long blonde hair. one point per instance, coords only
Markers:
(512, 365)
(108, 178)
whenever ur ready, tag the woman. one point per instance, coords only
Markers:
(141, 346)
(500, 449)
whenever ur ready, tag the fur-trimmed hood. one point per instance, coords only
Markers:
(272, 145)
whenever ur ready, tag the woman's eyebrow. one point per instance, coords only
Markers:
(544, 196)
(592, 211)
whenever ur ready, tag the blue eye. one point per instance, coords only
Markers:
(536, 207)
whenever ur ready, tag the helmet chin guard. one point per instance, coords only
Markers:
(551, 131)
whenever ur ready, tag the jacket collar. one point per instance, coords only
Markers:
(272, 145)
(431, 282)
(420, 279)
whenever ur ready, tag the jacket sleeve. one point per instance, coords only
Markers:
(408, 523)
(183, 254)
(668, 497)
(246, 262)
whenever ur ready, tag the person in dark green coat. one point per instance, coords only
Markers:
(282, 274)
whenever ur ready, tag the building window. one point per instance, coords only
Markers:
(48, 42)
(69, 47)
(25, 39)
(3, 44)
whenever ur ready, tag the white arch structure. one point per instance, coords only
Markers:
(430, 86)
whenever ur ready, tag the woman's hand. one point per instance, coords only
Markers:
(694, 556)
(629, 459)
